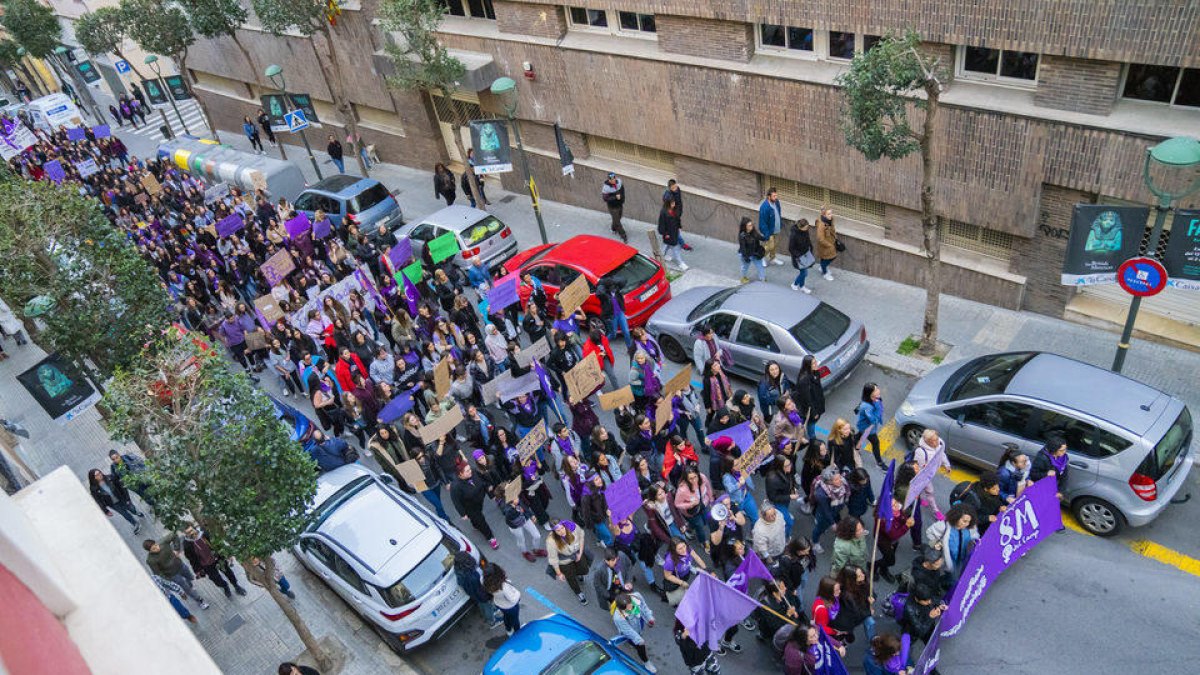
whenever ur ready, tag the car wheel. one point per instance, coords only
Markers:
(912, 435)
(1098, 516)
(672, 349)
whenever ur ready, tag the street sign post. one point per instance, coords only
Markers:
(295, 120)
(1142, 277)
(122, 66)
(304, 102)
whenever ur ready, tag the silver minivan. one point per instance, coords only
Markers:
(386, 555)
(479, 233)
(1128, 443)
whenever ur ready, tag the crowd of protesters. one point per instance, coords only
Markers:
(354, 360)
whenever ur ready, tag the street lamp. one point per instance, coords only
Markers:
(274, 73)
(506, 89)
(152, 61)
(81, 84)
(1176, 156)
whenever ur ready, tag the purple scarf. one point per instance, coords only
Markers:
(564, 444)
(794, 418)
(1059, 463)
(714, 350)
(650, 384)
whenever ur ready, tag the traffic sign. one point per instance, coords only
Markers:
(1142, 276)
(122, 66)
(295, 120)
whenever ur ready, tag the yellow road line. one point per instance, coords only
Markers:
(1166, 556)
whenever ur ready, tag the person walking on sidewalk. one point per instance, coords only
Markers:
(335, 153)
(443, 184)
(827, 241)
(112, 496)
(207, 562)
(173, 592)
(632, 616)
(470, 579)
(129, 472)
(251, 132)
(505, 596)
(770, 222)
(673, 193)
(669, 229)
(163, 560)
(750, 248)
(800, 248)
(116, 115)
(264, 122)
(613, 194)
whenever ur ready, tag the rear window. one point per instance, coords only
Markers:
(821, 328)
(1171, 447)
(582, 659)
(368, 198)
(632, 273)
(482, 230)
(422, 578)
(713, 303)
(987, 376)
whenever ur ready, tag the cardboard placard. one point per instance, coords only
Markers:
(512, 490)
(430, 433)
(517, 386)
(755, 455)
(679, 382)
(585, 378)
(616, 399)
(663, 414)
(256, 339)
(539, 350)
(533, 440)
(492, 387)
(574, 294)
(412, 474)
(441, 378)
(277, 267)
(269, 307)
(86, 167)
(442, 247)
(151, 184)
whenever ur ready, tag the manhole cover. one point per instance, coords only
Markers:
(233, 624)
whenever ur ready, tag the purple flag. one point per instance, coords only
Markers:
(543, 379)
(829, 662)
(410, 296)
(623, 496)
(297, 225)
(101, 131)
(752, 567)
(400, 253)
(230, 224)
(76, 134)
(396, 408)
(924, 476)
(709, 608)
(54, 171)
(883, 508)
(742, 436)
(503, 294)
(365, 281)
(321, 228)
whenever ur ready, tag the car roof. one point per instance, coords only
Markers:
(597, 255)
(1109, 396)
(772, 303)
(374, 526)
(538, 643)
(343, 185)
(457, 217)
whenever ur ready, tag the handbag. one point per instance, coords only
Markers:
(838, 245)
(806, 260)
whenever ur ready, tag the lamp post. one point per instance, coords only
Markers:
(152, 61)
(1176, 154)
(81, 85)
(274, 73)
(506, 89)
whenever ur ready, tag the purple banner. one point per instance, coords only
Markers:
(297, 225)
(1028, 521)
(623, 496)
(321, 228)
(741, 434)
(76, 134)
(230, 224)
(54, 171)
(924, 476)
(101, 131)
(502, 295)
(400, 253)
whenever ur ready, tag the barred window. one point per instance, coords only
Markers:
(478, 9)
(631, 152)
(814, 197)
(981, 240)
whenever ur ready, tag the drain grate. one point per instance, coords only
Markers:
(233, 624)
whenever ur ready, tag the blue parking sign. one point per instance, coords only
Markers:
(122, 66)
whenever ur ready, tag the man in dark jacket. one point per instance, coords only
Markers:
(335, 153)
(1052, 461)
(469, 492)
(163, 561)
(669, 230)
(673, 193)
(613, 194)
(921, 613)
(329, 453)
(128, 472)
(612, 577)
(207, 562)
(927, 570)
(612, 311)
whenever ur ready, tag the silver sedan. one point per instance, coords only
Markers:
(761, 322)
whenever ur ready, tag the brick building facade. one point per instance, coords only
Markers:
(1049, 103)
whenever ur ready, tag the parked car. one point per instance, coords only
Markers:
(365, 200)
(479, 233)
(641, 279)
(760, 322)
(560, 645)
(1128, 443)
(386, 555)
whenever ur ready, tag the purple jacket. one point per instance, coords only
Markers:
(233, 332)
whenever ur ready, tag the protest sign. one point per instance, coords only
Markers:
(751, 458)
(277, 267)
(574, 294)
(321, 228)
(491, 387)
(413, 272)
(441, 378)
(15, 138)
(230, 224)
(396, 407)
(924, 476)
(533, 440)
(623, 496)
(585, 378)
(442, 247)
(76, 133)
(502, 295)
(101, 131)
(400, 253)
(709, 608)
(269, 307)
(512, 490)
(430, 433)
(664, 413)
(54, 171)
(298, 225)
(86, 167)
(741, 434)
(412, 474)
(534, 352)
(151, 184)
(616, 399)
(517, 386)
(682, 380)
(215, 192)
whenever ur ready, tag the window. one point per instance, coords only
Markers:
(998, 65)
(482, 230)
(714, 301)
(595, 18)
(612, 21)
(563, 275)
(376, 194)
(637, 22)
(756, 335)
(423, 577)
(722, 324)
(348, 575)
(1082, 438)
(821, 328)
(311, 201)
(478, 9)
(584, 657)
(984, 376)
(785, 37)
(1163, 84)
(992, 243)
(632, 153)
(1172, 445)
(319, 550)
(811, 196)
(1004, 416)
(424, 232)
(632, 273)
(841, 45)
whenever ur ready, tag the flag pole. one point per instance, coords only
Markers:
(874, 551)
(761, 606)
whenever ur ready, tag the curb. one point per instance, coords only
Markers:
(903, 365)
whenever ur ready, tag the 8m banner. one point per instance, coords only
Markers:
(493, 154)
(1102, 237)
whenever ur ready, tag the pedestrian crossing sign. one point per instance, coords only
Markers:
(295, 120)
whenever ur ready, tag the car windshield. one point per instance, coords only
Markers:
(336, 499)
(713, 303)
(368, 198)
(984, 377)
(1173, 443)
(309, 201)
(632, 273)
(422, 578)
(821, 328)
(482, 230)
(581, 659)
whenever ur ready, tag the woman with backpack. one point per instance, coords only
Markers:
(955, 537)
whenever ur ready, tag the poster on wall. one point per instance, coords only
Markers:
(489, 138)
(1182, 258)
(154, 92)
(58, 388)
(1102, 237)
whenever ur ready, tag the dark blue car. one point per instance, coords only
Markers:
(560, 645)
(365, 200)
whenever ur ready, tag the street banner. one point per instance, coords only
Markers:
(154, 93)
(76, 133)
(533, 440)
(101, 131)
(758, 453)
(493, 154)
(1102, 237)
(430, 433)
(507, 391)
(178, 88)
(340, 292)
(924, 476)
(400, 253)
(274, 106)
(664, 412)
(565, 157)
(58, 388)
(298, 225)
(536, 351)
(86, 167)
(584, 379)
(679, 381)
(829, 662)
(710, 607)
(441, 378)
(502, 295)
(14, 138)
(1027, 522)
(752, 567)
(616, 399)
(54, 171)
(574, 294)
(442, 247)
(277, 267)
(1182, 258)
(623, 496)
(230, 224)
(741, 435)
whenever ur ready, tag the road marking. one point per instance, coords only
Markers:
(1166, 556)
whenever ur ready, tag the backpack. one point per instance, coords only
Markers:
(964, 493)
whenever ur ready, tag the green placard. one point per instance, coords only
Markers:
(413, 272)
(443, 247)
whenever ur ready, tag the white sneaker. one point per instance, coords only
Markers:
(777, 261)
(650, 667)
(795, 287)
(806, 289)
(683, 266)
(828, 276)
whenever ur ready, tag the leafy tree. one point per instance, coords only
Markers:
(217, 18)
(33, 26)
(421, 62)
(54, 242)
(217, 454)
(104, 31)
(310, 18)
(880, 90)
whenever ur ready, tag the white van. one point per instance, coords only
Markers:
(50, 112)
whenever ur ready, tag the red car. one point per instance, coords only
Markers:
(642, 279)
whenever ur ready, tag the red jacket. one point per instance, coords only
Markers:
(589, 347)
(686, 451)
(345, 376)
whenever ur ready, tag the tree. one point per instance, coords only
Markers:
(54, 242)
(421, 62)
(104, 31)
(311, 18)
(33, 26)
(217, 18)
(881, 88)
(10, 57)
(218, 455)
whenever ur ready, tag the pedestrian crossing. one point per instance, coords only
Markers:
(192, 117)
